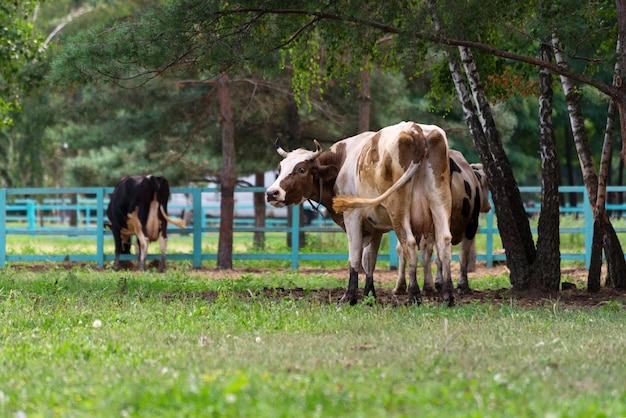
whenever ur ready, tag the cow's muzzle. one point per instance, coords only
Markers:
(272, 197)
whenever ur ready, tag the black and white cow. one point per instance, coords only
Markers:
(470, 197)
(395, 179)
(138, 206)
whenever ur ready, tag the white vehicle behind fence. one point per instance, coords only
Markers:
(180, 204)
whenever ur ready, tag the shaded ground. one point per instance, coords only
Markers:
(577, 297)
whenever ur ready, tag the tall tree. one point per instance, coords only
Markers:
(227, 203)
(548, 241)
(605, 234)
(501, 184)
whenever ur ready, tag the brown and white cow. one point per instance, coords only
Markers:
(470, 197)
(397, 178)
(138, 206)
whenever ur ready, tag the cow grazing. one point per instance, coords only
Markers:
(395, 179)
(138, 206)
(470, 197)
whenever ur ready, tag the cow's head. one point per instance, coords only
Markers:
(298, 176)
(485, 206)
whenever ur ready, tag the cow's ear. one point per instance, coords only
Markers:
(327, 172)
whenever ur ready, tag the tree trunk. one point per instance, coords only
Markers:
(577, 122)
(620, 100)
(227, 204)
(295, 137)
(364, 101)
(512, 220)
(548, 266)
(259, 211)
(570, 169)
(603, 230)
(616, 270)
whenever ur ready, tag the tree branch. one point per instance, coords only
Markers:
(609, 90)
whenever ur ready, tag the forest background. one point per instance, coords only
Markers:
(92, 134)
(187, 88)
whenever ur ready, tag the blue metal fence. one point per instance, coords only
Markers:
(47, 212)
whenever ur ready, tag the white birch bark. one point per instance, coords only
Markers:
(577, 122)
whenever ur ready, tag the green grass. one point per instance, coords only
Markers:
(97, 343)
(316, 242)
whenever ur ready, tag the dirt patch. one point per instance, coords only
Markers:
(577, 297)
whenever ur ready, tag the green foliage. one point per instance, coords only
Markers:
(18, 48)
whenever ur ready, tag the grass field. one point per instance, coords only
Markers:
(82, 343)
(316, 242)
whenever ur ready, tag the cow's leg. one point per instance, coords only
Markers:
(163, 245)
(471, 256)
(415, 296)
(438, 276)
(117, 239)
(142, 250)
(443, 246)
(400, 288)
(465, 257)
(409, 246)
(427, 244)
(352, 222)
(443, 243)
(368, 260)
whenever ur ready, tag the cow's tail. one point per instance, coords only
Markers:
(344, 202)
(178, 222)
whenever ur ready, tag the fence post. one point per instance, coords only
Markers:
(198, 225)
(32, 214)
(393, 255)
(295, 236)
(99, 225)
(588, 214)
(489, 235)
(3, 228)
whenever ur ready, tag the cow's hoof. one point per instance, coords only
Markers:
(430, 291)
(346, 298)
(414, 300)
(369, 292)
(399, 291)
(438, 286)
(463, 290)
(448, 300)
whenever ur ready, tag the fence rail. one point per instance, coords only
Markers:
(49, 211)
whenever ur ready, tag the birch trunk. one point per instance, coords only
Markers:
(604, 234)
(620, 100)
(548, 241)
(577, 122)
(616, 270)
(227, 204)
(502, 184)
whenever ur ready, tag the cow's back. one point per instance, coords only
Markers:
(122, 199)
(375, 160)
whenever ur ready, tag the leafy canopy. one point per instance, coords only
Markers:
(18, 47)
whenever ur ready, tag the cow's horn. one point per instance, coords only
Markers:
(318, 149)
(279, 149)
